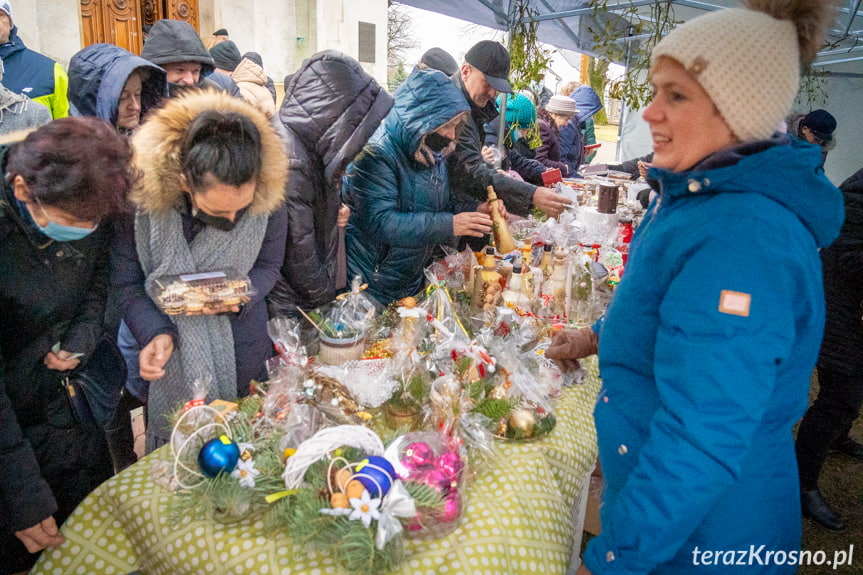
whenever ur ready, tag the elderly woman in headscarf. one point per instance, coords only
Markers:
(723, 297)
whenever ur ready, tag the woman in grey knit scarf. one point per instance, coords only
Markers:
(210, 197)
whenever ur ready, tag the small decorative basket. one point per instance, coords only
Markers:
(336, 351)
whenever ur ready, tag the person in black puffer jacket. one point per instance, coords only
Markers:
(331, 108)
(840, 363)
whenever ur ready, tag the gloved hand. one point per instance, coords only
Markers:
(570, 345)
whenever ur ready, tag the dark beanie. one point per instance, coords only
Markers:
(439, 59)
(226, 55)
(221, 32)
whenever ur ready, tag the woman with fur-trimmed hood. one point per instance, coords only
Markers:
(210, 198)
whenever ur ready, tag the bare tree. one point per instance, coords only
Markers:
(400, 37)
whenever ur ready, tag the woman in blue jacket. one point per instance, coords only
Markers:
(115, 85)
(398, 190)
(708, 343)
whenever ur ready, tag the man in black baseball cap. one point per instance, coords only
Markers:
(492, 59)
(817, 128)
(484, 74)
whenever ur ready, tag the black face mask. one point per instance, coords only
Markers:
(219, 223)
(436, 142)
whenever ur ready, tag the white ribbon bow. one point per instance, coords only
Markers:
(397, 503)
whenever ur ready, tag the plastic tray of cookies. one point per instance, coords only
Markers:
(203, 293)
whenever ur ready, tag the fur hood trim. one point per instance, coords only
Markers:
(157, 152)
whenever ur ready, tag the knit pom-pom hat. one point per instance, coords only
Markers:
(747, 61)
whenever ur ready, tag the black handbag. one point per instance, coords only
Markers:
(93, 390)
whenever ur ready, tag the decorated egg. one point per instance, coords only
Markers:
(376, 474)
(220, 454)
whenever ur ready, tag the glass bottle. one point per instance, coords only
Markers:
(487, 284)
(546, 264)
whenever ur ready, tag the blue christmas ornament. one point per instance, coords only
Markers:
(219, 454)
(375, 471)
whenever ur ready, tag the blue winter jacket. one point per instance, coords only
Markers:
(400, 206)
(705, 353)
(98, 74)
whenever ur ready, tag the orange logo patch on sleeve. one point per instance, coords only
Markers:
(734, 302)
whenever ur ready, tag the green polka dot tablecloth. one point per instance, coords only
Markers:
(517, 519)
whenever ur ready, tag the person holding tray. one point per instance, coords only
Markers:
(210, 201)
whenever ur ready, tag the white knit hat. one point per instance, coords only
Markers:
(748, 63)
(6, 7)
(563, 105)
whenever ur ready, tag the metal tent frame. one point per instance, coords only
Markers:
(566, 23)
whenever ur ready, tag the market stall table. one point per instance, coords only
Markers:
(519, 518)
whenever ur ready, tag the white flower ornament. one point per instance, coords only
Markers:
(365, 508)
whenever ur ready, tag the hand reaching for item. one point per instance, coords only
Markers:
(570, 345)
(43, 534)
(550, 201)
(471, 224)
(154, 356)
(485, 208)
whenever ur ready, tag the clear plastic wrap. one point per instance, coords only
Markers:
(438, 462)
(343, 325)
(210, 292)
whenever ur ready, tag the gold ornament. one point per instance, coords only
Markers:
(523, 420)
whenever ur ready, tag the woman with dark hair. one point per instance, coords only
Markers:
(210, 197)
(115, 85)
(62, 184)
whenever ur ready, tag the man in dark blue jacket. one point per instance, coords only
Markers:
(30, 73)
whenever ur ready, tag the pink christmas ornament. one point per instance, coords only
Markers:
(417, 455)
(451, 508)
(450, 464)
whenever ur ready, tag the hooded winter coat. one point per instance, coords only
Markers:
(36, 76)
(171, 41)
(723, 298)
(331, 108)
(157, 147)
(49, 292)
(252, 81)
(98, 74)
(398, 190)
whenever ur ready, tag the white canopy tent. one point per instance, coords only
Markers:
(566, 24)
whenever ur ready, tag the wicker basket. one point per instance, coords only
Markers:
(338, 351)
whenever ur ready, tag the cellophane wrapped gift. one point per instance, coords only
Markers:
(343, 325)
(437, 461)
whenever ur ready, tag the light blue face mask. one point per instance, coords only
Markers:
(61, 233)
